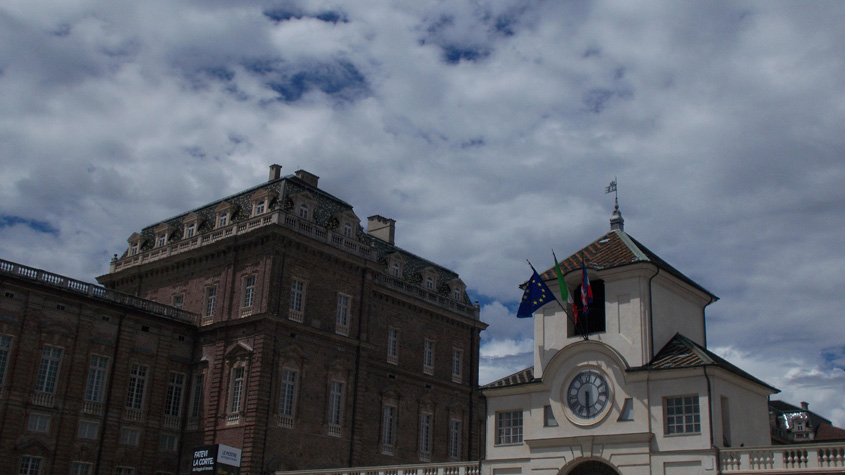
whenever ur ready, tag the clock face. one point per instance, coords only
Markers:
(588, 394)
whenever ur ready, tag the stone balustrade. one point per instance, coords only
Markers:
(811, 458)
(96, 291)
(455, 468)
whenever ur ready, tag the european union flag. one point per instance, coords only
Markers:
(536, 295)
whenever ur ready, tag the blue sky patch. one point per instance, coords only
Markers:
(7, 221)
(341, 80)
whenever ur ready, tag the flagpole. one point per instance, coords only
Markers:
(562, 285)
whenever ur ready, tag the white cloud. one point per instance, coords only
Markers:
(721, 122)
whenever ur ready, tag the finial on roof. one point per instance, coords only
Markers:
(616, 220)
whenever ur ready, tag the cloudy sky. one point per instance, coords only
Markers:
(487, 129)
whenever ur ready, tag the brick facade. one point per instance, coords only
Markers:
(295, 386)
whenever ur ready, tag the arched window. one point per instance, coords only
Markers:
(303, 211)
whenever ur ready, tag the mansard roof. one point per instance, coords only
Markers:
(326, 208)
(617, 249)
(681, 352)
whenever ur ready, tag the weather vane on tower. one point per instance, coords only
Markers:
(616, 221)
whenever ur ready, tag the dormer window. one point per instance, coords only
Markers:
(161, 240)
(259, 207)
(223, 214)
(190, 230)
(303, 211)
(396, 271)
(222, 220)
(133, 249)
(347, 229)
(429, 283)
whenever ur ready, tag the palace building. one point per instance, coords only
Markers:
(270, 321)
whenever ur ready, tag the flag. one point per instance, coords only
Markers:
(586, 290)
(536, 295)
(564, 293)
(611, 187)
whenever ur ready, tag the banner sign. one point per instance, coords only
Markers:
(216, 459)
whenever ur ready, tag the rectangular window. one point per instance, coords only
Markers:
(238, 375)
(457, 365)
(455, 438)
(189, 230)
(428, 357)
(137, 385)
(173, 400)
(335, 407)
(682, 415)
(5, 349)
(162, 240)
(196, 400)
(627, 413)
(96, 378)
(133, 249)
(297, 300)
(392, 346)
(509, 427)
(88, 429)
(168, 443)
(425, 435)
(388, 433)
(48, 370)
(342, 318)
(130, 436)
(259, 207)
(30, 465)
(177, 300)
(124, 471)
(549, 417)
(38, 423)
(287, 393)
(222, 220)
(249, 291)
(81, 468)
(210, 301)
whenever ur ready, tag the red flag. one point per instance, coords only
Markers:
(586, 290)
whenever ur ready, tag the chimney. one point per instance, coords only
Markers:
(309, 178)
(275, 172)
(805, 406)
(382, 228)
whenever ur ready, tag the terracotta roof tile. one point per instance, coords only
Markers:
(524, 376)
(616, 249)
(681, 352)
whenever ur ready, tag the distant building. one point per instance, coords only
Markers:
(268, 321)
(798, 425)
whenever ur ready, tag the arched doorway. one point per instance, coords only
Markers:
(592, 467)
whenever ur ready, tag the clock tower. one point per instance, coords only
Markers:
(624, 384)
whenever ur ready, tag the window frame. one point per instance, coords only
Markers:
(85, 427)
(130, 436)
(49, 369)
(136, 388)
(455, 436)
(393, 345)
(510, 427)
(288, 396)
(78, 467)
(248, 299)
(30, 465)
(426, 433)
(457, 365)
(429, 346)
(296, 304)
(175, 394)
(673, 427)
(97, 373)
(335, 409)
(389, 426)
(5, 352)
(210, 300)
(38, 422)
(342, 317)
